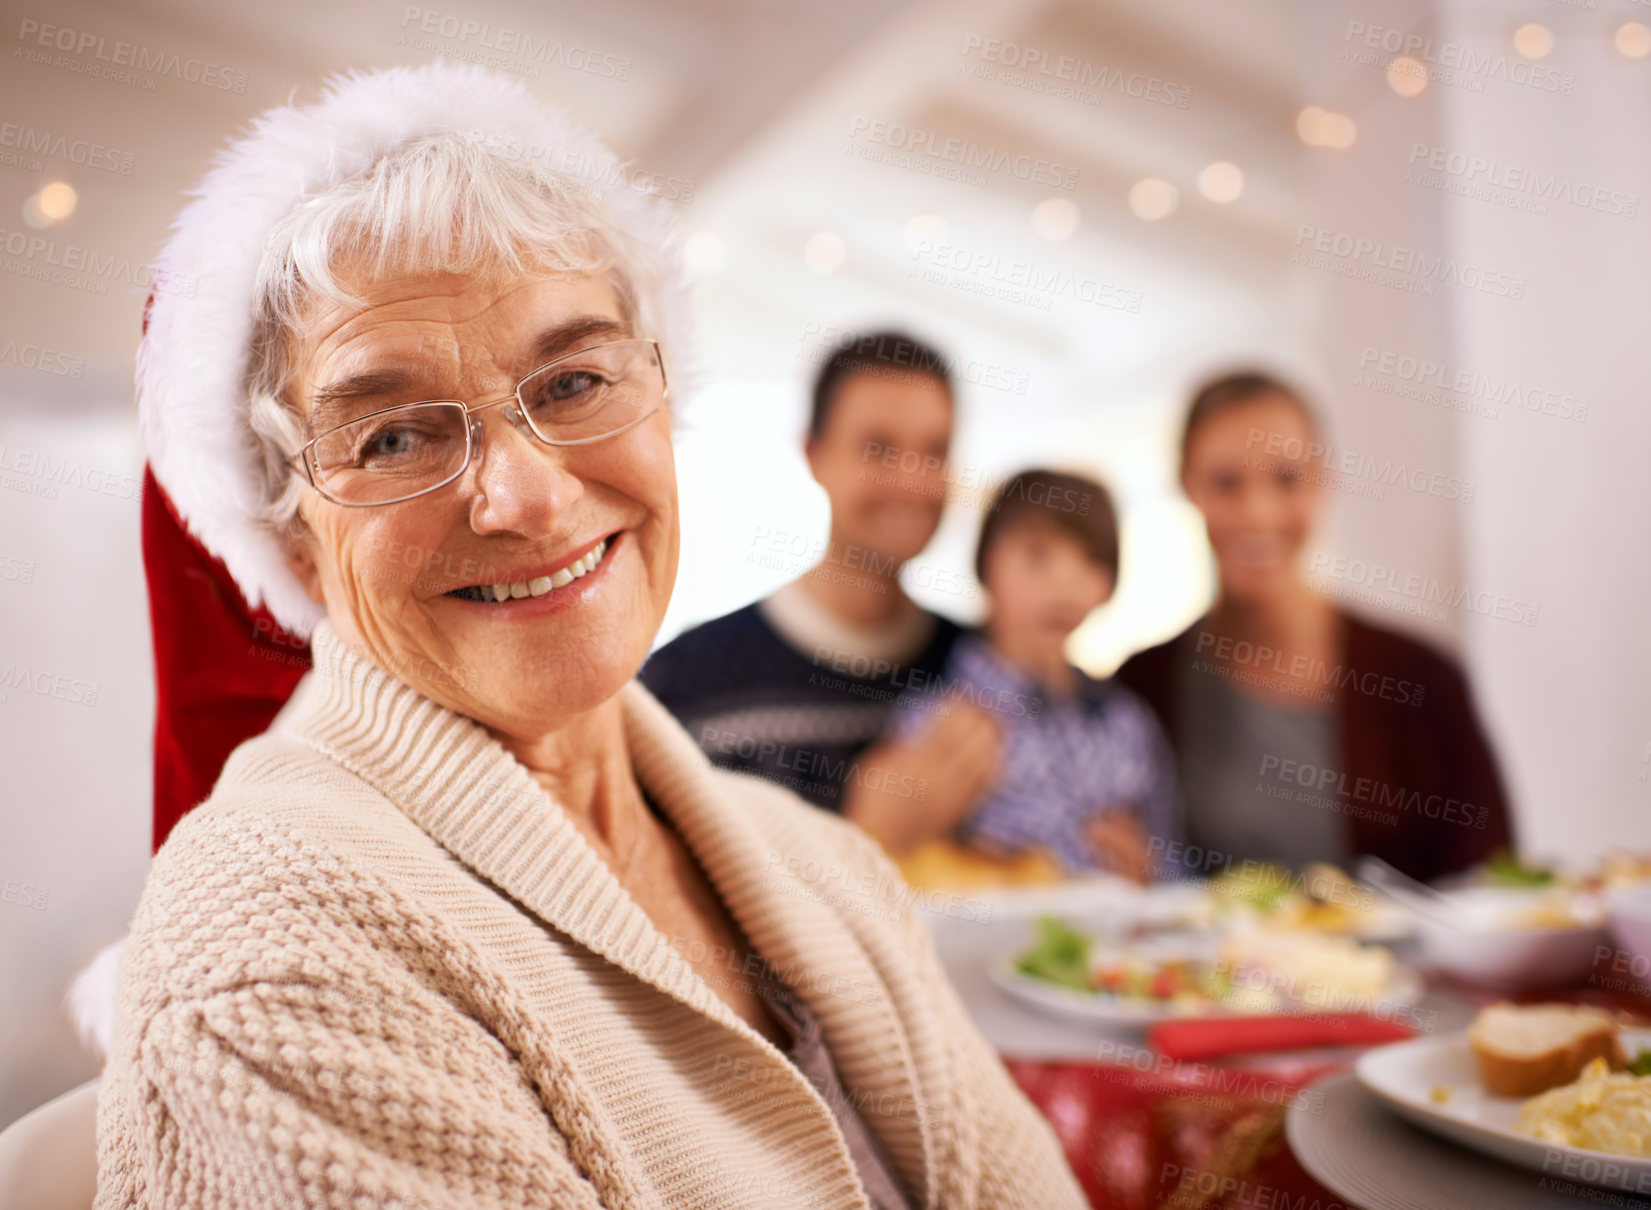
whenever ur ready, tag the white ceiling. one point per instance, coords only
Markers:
(755, 102)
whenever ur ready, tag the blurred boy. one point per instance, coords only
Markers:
(1086, 774)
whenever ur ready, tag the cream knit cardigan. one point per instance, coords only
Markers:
(380, 968)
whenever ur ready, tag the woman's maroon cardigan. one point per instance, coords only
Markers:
(1410, 745)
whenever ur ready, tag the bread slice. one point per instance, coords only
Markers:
(1524, 1049)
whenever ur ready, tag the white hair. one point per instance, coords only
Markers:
(447, 202)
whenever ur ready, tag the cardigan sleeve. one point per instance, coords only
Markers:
(285, 1043)
(1010, 1156)
(288, 1095)
(1022, 1165)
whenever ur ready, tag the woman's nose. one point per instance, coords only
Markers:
(1258, 505)
(519, 484)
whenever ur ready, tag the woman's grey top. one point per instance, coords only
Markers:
(1251, 772)
(808, 1053)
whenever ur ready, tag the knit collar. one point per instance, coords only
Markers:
(470, 794)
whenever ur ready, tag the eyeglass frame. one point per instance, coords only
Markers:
(473, 426)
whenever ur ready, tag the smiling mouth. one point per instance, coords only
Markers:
(494, 594)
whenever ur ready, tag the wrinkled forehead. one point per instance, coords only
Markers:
(447, 332)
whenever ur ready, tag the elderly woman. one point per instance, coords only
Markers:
(474, 923)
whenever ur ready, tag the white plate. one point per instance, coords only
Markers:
(1403, 990)
(1113, 904)
(1404, 1075)
(1348, 1141)
(1385, 924)
(1100, 898)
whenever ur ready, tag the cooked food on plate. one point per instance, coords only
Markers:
(945, 865)
(1569, 1060)
(1334, 974)
(1149, 974)
(1061, 955)
(1322, 898)
(1505, 869)
(1619, 867)
(1258, 972)
(1527, 1049)
(1600, 1110)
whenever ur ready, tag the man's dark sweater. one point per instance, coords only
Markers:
(757, 703)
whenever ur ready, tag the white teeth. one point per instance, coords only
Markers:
(539, 585)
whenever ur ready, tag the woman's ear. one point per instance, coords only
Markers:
(301, 561)
(811, 454)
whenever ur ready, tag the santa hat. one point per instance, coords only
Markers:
(230, 618)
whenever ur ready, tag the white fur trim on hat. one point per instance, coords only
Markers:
(193, 359)
(91, 999)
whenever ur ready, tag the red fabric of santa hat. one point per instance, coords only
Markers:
(222, 669)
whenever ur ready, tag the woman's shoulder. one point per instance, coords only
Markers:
(275, 850)
(273, 789)
(1151, 674)
(789, 833)
(971, 657)
(1374, 648)
(1158, 655)
(1116, 702)
(782, 816)
(810, 845)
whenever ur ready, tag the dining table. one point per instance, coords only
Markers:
(1145, 1131)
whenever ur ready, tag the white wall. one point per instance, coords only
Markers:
(1563, 514)
(1558, 519)
(74, 623)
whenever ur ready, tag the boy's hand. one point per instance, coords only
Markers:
(962, 753)
(953, 767)
(1120, 842)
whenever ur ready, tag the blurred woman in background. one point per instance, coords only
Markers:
(1301, 732)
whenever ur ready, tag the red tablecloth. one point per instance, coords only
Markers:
(1183, 1137)
(1153, 1135)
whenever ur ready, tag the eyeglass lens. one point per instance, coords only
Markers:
(392, 454)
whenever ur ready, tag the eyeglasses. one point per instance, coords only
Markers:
(395, 454)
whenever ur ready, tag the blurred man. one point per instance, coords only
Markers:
(795, 686)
